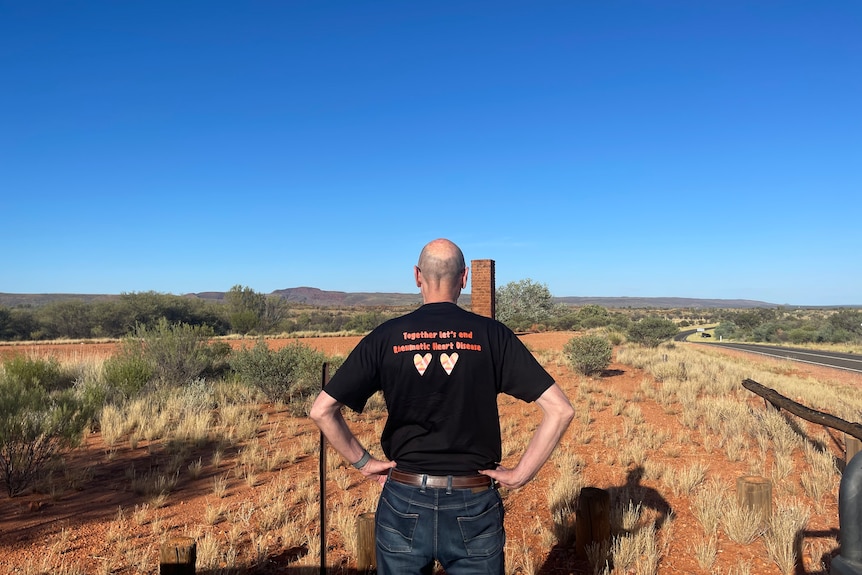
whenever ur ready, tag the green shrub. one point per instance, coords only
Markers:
(591, 316)
(127, 373)
(35, 427)
(218, 353)
(290, 375)
(830, 334)
(177, 353)
(651, 331)
(727, 330)
(45, 372)
(589, 353)
(616, 338)
(564, 320)
(94, 393)
(366, 321)
(849, 321)
(801, 335)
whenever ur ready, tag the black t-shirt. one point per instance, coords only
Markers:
(440, 369)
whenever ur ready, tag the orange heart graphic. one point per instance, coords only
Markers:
(448, 362)
(422, 362)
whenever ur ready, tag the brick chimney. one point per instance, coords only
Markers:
(482, 288)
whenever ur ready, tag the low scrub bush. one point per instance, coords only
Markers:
(290, 375)
(615, 337)
(218, 353)
(176, 353)
(93, 393)
(589, 354)
(36, 426)
(127, 373)
(44, 372)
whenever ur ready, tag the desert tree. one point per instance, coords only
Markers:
(274, 312)
(652, 330)
(247, 308)
(66, 319)
(6, 331)
(524, 303)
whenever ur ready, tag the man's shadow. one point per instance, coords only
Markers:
(634, 495)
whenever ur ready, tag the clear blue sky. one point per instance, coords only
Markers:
(603, 148)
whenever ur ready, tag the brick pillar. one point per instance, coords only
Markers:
(483, 291)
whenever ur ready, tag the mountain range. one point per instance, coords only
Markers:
(322, 298)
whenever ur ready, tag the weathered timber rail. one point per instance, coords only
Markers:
(849, 561)
(799, 410)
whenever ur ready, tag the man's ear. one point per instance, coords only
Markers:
(416, 272)
(464, 278)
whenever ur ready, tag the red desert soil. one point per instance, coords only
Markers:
(83, 518)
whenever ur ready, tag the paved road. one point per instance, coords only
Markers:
(847, 361)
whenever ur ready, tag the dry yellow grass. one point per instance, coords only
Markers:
(656, 424)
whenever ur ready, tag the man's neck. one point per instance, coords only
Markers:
(440, 298)
(426, 302)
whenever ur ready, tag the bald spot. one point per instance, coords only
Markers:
(442, 263)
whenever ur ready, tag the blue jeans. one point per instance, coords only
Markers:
(460, 528)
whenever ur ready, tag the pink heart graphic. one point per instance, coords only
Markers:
(448, 362)
(422, 362)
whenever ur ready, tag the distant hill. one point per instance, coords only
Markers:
(318, 297)
(322, 298)
(664, 302)
(40, 299)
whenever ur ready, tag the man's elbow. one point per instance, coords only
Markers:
(315, 414)
(567, 414)
(563, 411)
(319, 411)
(557, 405)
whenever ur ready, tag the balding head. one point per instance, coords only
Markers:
(441, 271)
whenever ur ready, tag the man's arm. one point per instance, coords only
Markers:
(326, 414)
(557, 414)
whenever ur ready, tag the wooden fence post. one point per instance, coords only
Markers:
(755, 492)
(592, 519)
(852, 446)
(324, 379)
(177, 556)
(366, 560)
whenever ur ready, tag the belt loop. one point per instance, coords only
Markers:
(448, 485)
(424, 481)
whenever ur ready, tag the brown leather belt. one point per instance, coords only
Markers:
(441, 481)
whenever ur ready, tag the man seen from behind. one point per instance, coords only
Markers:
(440, 369)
